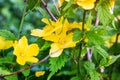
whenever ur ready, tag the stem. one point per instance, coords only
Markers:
(116, 40)
(49, 12)
(22, 20)
(81, 42)
(84, 14)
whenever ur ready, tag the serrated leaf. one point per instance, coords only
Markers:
(32, 3)
(94, 75)
(101, 51)
(104, 14)
(89, 65)
(7, 35)
(26, 72)
(94, 38)
(56, 64)
(77, 35)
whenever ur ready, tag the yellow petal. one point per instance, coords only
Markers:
(86, 4)
(32, 50)
(2, 43)
(46, 21)
(32, 59)
(56, 50)
(8, 44)
(21, 60)
(39, 73)
(23, 42)
(37, 32)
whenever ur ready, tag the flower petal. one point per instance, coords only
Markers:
(32, 59)
(23, 42)
(21, 60)
(32, 50)
(56, 50)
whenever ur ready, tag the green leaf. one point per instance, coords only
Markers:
(56, 64)
(75, 78)
(32, 3)
(2, 71)
(111, 61)
(26, 72)
(94, 38)
(7, 35)
(45, 46)
(77, 35)
(101, 51)
(94, 75)
(12, 77)
(6, 60)
(89, 65)
(104, 14)
(68, 5)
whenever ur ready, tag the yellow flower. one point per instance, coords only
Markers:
(86, 4)
(5, 44)
(39, 73)
(58, 34)
(24, 52)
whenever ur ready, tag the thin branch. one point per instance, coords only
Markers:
(19, 71)
(49, 12)
(97, 19)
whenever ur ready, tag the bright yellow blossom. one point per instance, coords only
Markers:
(5, 44)
(39, 73)
(24, 52)
(85, 4)
(58, 34)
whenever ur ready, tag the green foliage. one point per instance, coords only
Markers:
(26, 72)
(56, 64)
(6, 60)
(32, 3)
(101, 51)
(94, 38)
(90, 67)
(104, 13)
(13, 77)
(77, 35)
(7, 35)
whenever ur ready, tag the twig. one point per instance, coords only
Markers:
(19, 71)
(97, 21)
(49, 12)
